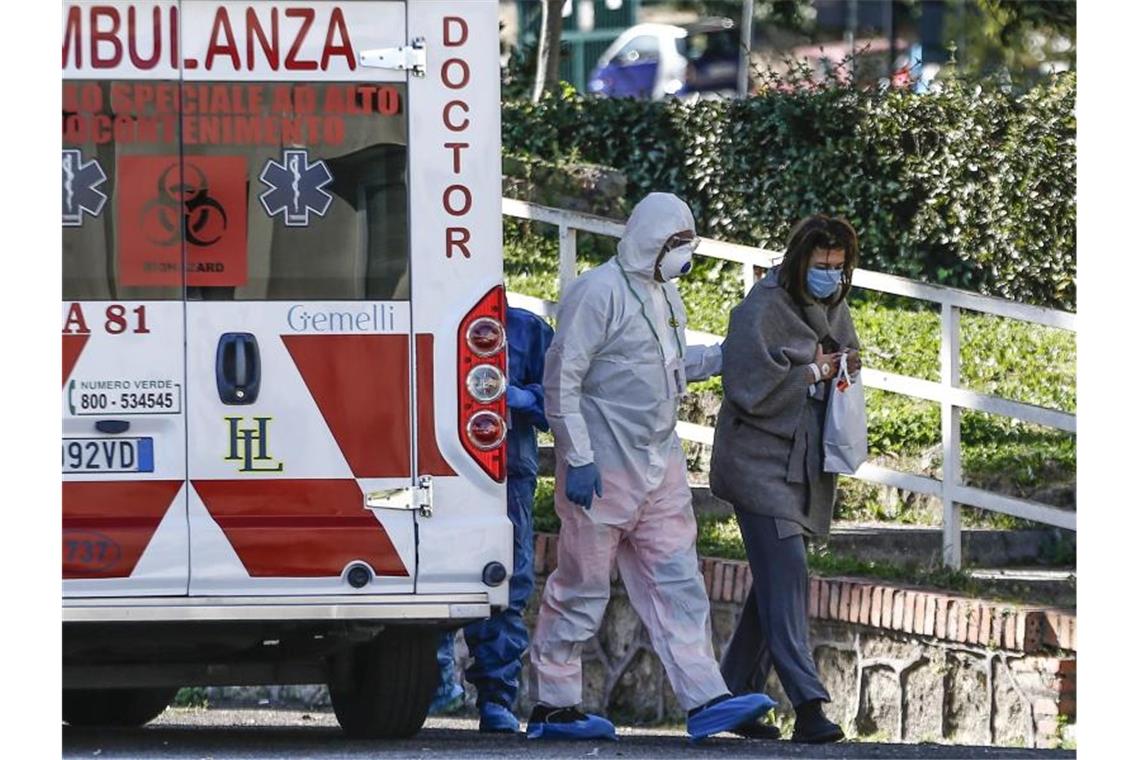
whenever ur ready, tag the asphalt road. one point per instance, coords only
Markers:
(264, 734)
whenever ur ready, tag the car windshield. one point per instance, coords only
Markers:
(640, 48)
(705, 45)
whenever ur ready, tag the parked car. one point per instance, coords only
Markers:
(655, 60)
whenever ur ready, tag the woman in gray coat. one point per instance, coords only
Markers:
(783, 347)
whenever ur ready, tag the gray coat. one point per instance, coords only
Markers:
(768, 451)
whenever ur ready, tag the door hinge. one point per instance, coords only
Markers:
(416, 498)
(411, 58)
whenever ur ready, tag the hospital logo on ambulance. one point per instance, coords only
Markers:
(168, 201)
(81, 188)
(249, 445)
(296, 187)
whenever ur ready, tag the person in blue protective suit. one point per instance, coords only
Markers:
(614, 376)
(498, 643)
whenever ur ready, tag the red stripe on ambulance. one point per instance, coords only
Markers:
(360, 384)
(108, 524)
(299, 528)
(430, 460)
(72, 348)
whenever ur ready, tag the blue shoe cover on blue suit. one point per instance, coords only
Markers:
(448, 697)
(593, 727)
(727, 715)
(494, 718)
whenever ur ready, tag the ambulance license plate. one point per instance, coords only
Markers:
(108, 455)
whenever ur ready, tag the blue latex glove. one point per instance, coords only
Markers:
(520, 398)
(582, 483)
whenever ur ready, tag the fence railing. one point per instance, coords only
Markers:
(947, 392)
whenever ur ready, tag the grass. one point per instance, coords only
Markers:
(190, 696)
(720, 537)
(545, 519)
(823, 562)
(1015, 360)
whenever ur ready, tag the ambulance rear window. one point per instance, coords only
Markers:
(236, 191)
(97, 172)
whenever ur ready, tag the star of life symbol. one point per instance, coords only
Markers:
(295, 187)
(80, 188)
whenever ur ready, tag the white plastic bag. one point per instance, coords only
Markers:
(845, 429)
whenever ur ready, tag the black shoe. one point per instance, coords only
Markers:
(710, 703)
(813, 727)
(567, 723)
(758, 730)
(545, 714)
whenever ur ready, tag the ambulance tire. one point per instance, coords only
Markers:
(382, 689)
(90, 708)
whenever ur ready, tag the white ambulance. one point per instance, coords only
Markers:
(283, 349)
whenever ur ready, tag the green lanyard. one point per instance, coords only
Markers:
(672, 318)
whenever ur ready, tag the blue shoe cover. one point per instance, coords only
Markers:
(496, 719)
(593, 727)
(446, 699)
(727, 715)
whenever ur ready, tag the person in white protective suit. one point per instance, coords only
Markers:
(613, 377)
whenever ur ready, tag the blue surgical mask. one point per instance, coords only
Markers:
(822, 283)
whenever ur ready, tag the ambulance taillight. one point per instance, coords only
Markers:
(486, 336)
(483, 383)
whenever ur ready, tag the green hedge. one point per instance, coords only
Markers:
(971, 186)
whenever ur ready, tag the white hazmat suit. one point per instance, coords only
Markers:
(614, 374)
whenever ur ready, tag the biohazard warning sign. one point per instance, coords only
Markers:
(168, 204)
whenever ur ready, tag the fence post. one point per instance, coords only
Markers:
(580, 65)
(951, 438)
(747, 276)
(567, 257)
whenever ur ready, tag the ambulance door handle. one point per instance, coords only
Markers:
(238, 368)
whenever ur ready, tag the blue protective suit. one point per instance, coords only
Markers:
(498, 643)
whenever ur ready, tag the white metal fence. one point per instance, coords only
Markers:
(947, 392)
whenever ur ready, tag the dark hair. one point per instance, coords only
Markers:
(818, 231)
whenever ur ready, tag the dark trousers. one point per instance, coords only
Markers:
(773, 628)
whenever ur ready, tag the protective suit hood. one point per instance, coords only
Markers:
(656, 218)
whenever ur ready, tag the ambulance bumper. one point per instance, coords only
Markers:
(396, 608)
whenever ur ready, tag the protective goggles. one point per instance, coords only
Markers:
(676, 241)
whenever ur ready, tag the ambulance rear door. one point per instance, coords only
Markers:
(299, 332)
(457, 268)
(124, 526)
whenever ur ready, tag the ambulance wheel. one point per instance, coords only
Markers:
(114, 707)
(382, 689)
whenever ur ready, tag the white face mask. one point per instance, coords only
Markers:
(676, 262)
